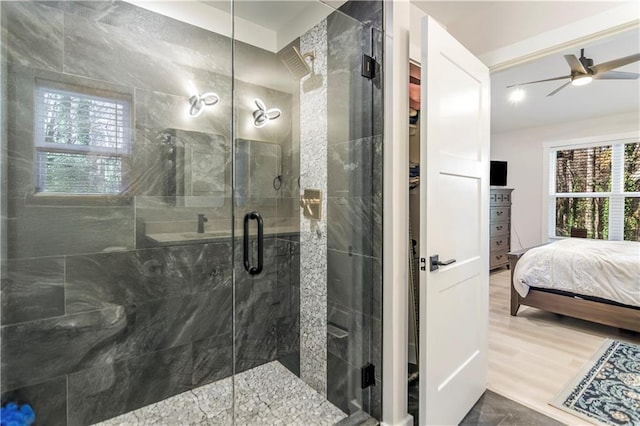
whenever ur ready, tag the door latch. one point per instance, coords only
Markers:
(435, 262)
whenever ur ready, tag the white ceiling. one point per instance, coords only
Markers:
(600, 98)
(486, 27)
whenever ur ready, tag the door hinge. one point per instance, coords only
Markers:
(368, 66)
(368, 373)
(423, 264)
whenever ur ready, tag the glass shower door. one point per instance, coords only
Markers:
(116, 211)
(307, 198)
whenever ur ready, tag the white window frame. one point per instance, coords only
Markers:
(616, 195)
(40, 145)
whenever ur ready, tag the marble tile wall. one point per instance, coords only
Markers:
(354, 216)
(313, 232)
(94, 323)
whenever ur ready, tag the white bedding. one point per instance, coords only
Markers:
(605, 269)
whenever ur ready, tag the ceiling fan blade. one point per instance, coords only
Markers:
(575, 64)
(616, 63)
(539, 81)
(559, 89)
(617, 75)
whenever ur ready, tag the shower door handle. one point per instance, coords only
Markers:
(253, 270)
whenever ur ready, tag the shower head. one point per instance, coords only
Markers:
(295, 62)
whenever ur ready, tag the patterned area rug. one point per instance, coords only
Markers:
(607, 390)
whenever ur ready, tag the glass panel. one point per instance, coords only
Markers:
(632, 219)
(632, 167)
(582, 217)
(308, 125)
(584, 170)
(119, 296)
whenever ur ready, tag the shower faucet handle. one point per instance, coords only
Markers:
(201, 220)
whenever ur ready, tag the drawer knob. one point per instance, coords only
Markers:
(499, 213)
(498, 242)
(499, 227)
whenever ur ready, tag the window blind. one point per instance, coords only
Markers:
(82, 142)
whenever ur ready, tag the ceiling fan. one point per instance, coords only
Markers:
(583, 71)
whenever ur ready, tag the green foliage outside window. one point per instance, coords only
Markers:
(589, 171)
(81, 142)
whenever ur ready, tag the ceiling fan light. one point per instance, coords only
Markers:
(581, 80)
(517, 95)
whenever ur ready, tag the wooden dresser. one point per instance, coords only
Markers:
(500, 231)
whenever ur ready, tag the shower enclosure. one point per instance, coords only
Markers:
(191, 211)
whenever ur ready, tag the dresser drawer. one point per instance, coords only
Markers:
(498, 259)
(499, 243)
(499, 214)
(500, 198)
(499, 228)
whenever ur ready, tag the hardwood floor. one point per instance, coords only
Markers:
(534, 355)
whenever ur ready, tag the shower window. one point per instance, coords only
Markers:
(82, 140)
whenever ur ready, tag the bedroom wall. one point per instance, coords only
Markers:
(523, 150)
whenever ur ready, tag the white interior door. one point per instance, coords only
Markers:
(454, 225)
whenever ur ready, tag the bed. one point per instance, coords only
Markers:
(593, 280)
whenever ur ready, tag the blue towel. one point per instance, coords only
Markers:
(14, 415)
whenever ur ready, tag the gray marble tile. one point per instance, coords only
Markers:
(288, 335)
(39, 230)
(377, 38)
(149, 165)
(376, 297)
(175, 322)
(212, 267)
(256, 318)
(32, 289)
(350, 113)
(350, 168)
(134, 61)
(375, 344)
(143, 24)
(368, 12)
(493, 409)
(275, 75)
(48, 400)
(101, 393)
(212, 359)
(377, 166)
(350, 280)
(34, 34)
(20, 165)
(375, 402)
(125, 278)
(39, 350)
(291, 362)
(352, 223)
(343, 384)
(157, 111)
(354, 348)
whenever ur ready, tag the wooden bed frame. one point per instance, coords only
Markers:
(603, 313)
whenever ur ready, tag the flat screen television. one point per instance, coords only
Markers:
(498, 173)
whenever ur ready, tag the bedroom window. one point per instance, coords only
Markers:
(595, 190)
(82, 140)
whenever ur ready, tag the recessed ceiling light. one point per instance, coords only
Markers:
(517, 95)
